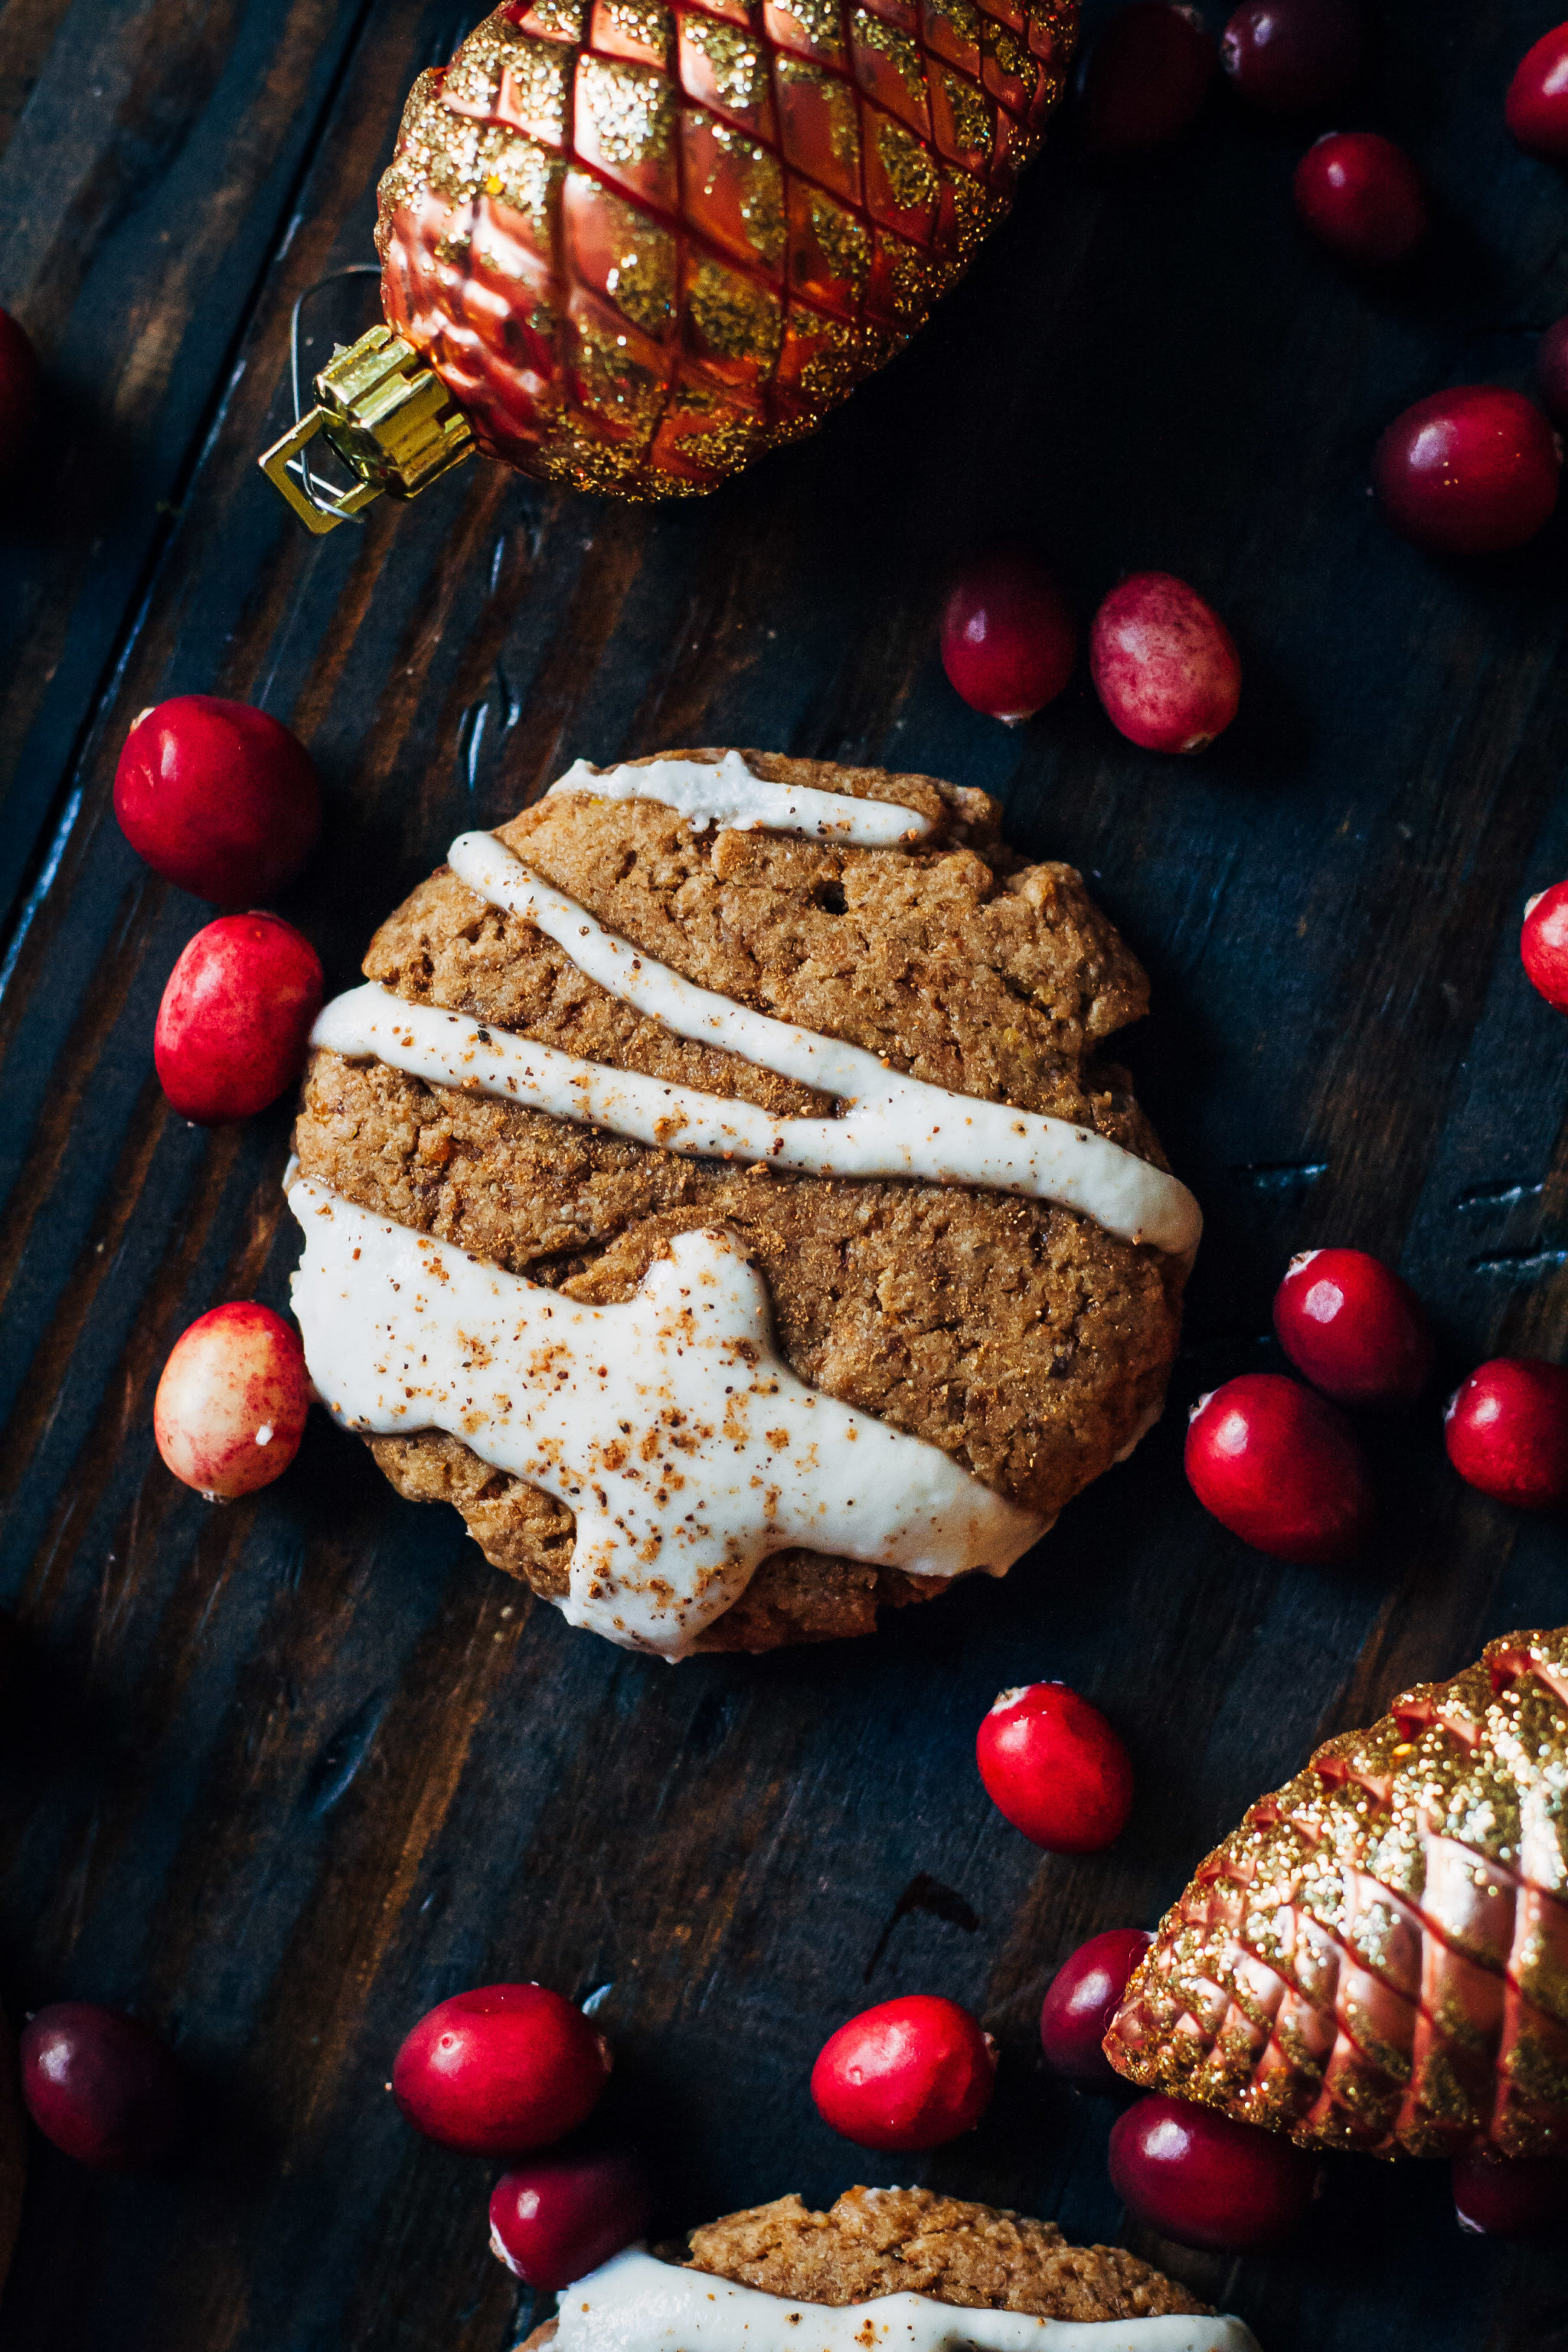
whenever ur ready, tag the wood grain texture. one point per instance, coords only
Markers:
(280, 1776)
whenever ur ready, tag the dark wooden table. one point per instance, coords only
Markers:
(280, 1776)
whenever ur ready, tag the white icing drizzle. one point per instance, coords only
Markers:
(895, 1126)
(670, 1425)
(730, 796)
(637, 2304)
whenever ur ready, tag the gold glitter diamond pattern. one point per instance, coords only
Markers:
(892, 152)
(1377, 1958)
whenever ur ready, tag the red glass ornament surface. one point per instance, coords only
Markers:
(641, 243)
(1374, 1960)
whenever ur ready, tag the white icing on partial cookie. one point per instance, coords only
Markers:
(730, 794)
(671, 1425)
(637, 2304)
(895, 1126)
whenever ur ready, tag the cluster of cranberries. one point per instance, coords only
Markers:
(1470, 472)
(1280, 1465)
(1164, 664)
(912, 2073)
(223, 801)
(506, 2070)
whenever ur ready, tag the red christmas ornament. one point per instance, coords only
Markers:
(639, 244)
(1373, 1958)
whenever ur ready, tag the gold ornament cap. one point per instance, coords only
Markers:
(387, 415)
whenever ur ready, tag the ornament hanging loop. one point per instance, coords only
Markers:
(387, 416)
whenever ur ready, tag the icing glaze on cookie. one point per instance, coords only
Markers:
(894, 1125)
(671, 1425)
(637, 2304)
(729, 794)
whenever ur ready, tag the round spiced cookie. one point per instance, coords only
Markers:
(717, 1191)
(803, 2282)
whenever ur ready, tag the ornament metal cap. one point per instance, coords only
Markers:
(387, 415)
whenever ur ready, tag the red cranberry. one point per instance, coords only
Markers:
(1552, 372)
(1353, 1328)
(1008, 641)
(1473, 471)
(18, 392)
(1504, 2196)
(1279, 1468)
(102, 2088)
(1292, 56)
(1363, 196)
(557, 2218)
(1198, 2177)
(235, 1019)
(1537, 107)
(1054, 1768)
(1506, 1429)
(501, 2071)
(1145, 79)
(218, 797)
(1165, 663)
(907, 2074)
(231, 1407)
(1544, 944)
(1085, 1995)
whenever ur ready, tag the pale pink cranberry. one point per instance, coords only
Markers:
(1164, 664)
(102, 2088)
(1144, 78)
(235, 1019)
(1506, 1429)
(907, 2074)
(1198, 2177)
(1544, 944)
(231, 1407)
(1473, 471)
(1291, 56)
(1085, 1995)
(1536, 109)
(1280, 1468)
(501, 2071)
(1008, 641)
(18, 392)
(1552, 372)
(556, 2218)
(218, 797)
(1055, 1769)
(1353, 1328)
(1362, 196)
(1510, 2196)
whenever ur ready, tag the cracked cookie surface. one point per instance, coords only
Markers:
(1020, 1337)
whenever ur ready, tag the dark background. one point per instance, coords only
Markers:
(280, 1776)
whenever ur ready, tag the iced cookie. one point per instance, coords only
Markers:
(884, 2270)
(715, 1193)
